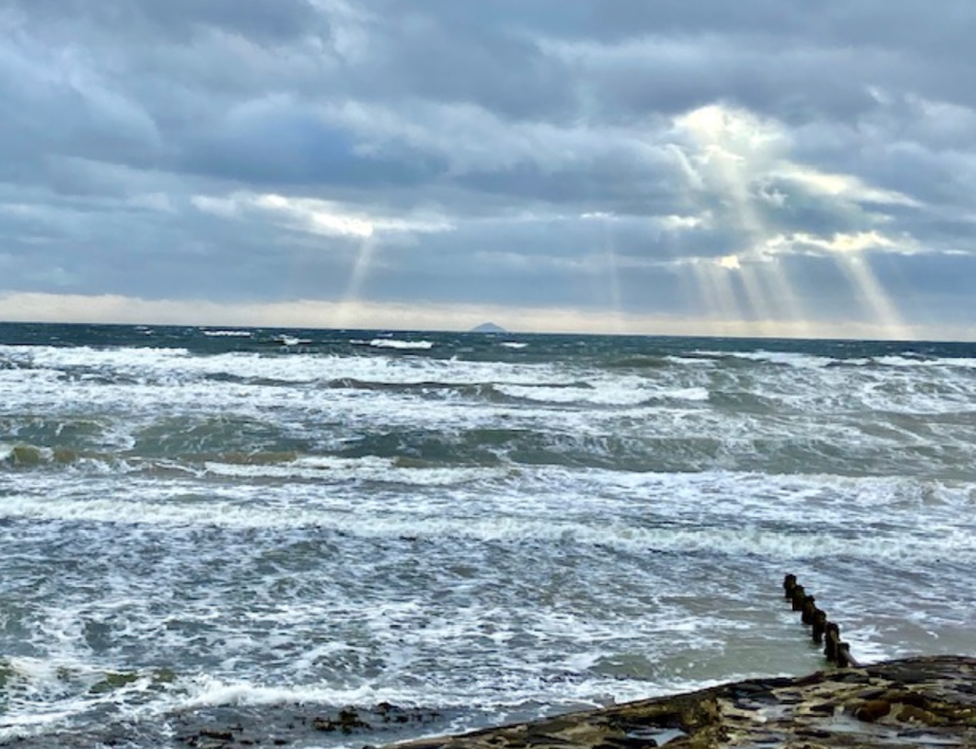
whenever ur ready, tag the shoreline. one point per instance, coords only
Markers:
(924, 701)
(912, 702)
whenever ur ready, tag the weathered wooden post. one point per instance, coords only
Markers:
(798, 595)
(823, 631)
(844, 655)
(789, 582)
(831, 641)
(819, 626)
(809, 606)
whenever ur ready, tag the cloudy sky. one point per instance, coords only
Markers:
(758, 167)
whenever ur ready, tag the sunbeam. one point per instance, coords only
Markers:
(716, 291)
(848, 252)
(345, 312)
(788, 303)
(609, 257)
(871, 293)
(731, 149)
(732, 158)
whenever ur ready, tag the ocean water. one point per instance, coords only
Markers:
(223, 525)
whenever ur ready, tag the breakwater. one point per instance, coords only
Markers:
(822, 630)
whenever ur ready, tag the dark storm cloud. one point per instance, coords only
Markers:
(582, 153)
(281, 141)
(456, 57)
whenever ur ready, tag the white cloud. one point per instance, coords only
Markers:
(317, 216)
(842, 243)
(844, 186)
(587, 160)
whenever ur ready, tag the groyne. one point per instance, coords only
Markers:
(822, 630)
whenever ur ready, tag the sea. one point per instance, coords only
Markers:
(347, 538)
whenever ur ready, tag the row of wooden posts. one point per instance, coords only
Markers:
(824, 632)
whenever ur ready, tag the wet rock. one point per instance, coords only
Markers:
(346, 721)
(871, 707)
(113, 681)
(871, 710)
(913, 714)
(918, 702)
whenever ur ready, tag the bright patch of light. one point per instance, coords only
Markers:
(839, 243)
(317, 216)
(223, 207)
(733, 132)
(680, 222)
(844, 186)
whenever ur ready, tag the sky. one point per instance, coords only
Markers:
(757, 167)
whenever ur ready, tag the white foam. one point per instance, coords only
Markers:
(737, 524)
(290, 340)
(694, 361)
(912, 361)
(395, 343)
(161, 379)
(786, 358)
(43, 694)
(216, 519)
(689, 393)
(208, 691)
(603, 391)
(178, 366)
(371, 468)
(228, 333)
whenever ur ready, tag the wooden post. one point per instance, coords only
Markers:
(824, 632)
(809, 606)
(831, 641)
(789, 582)
(798, 595)
(819, 626)
(844, 657)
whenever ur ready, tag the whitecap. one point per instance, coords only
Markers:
(394, 343)
(228, 333)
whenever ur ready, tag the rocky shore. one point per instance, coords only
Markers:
(918, 702)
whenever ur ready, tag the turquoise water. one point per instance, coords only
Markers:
(479, 528)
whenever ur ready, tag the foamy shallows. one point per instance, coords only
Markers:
(473, 528)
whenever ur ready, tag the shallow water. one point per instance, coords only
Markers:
(482, 527)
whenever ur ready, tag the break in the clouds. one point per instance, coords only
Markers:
(755, 167)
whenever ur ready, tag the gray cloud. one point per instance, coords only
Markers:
(178, 20)
(716, 158)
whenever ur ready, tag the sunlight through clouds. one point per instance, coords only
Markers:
(736, 157)
(631, 161)
(318, 216)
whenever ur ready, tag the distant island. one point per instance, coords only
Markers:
(488, 327)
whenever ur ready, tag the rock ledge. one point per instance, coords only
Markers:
(916, 702)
